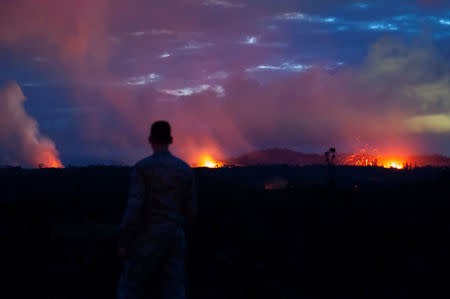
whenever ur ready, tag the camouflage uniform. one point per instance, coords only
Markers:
(162, 198)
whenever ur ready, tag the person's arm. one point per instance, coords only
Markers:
(133, 211)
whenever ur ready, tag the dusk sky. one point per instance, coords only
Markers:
(229, 75)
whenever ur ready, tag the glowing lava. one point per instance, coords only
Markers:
(393, 164)
(54, 164)
(208, 161)
(367, 157)
(48, 160)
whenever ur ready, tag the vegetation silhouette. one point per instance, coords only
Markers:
(330, 155)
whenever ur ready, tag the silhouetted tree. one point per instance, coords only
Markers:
(330, 155)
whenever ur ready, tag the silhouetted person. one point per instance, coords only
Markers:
(162, 202)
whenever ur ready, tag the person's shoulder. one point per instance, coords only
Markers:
(143, 162)
(180, 163)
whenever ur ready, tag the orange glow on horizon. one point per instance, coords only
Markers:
(54, 164)
(371, 157)
(48, 160)
(208, 161)
(393, 164)
(396, 163)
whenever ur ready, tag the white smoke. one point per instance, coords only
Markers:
(20, 140)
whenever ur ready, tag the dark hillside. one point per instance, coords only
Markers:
(382, 233)
(277, 156)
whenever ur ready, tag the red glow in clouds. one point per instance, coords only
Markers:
(90, 44)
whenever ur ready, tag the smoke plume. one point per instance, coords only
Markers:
(20, 140)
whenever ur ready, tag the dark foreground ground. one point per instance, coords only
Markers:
(381, 233)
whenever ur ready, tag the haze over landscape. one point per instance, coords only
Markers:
(231, 77)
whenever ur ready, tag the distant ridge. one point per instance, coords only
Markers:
(277, 156)
(290, 157)
(431, 160)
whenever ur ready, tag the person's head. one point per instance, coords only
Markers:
(160, 135)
